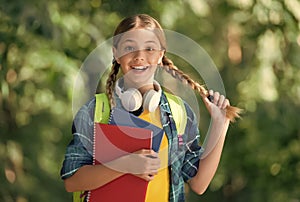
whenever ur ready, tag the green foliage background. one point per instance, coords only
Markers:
(255, 45)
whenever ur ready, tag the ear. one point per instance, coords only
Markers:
(114, 50)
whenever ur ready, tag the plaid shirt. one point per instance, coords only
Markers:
(184, 155)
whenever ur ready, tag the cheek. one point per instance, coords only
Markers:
(123, 64)
(124, 69)
(124, 59)
(155, 59)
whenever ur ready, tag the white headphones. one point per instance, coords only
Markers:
(132, 99)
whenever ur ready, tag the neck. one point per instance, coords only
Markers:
(145, 88)
(142, 87)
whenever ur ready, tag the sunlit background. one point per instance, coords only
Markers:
(254, 44)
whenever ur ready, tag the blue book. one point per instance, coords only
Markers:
(124, 118)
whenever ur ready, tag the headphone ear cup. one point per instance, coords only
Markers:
(151, 100)
(131, 99)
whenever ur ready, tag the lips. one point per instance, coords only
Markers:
(140, 68)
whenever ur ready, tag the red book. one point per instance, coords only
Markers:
(111, 142)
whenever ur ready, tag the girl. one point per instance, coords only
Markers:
(139, 47)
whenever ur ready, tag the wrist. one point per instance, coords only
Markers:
(119, 164)
(219, 120)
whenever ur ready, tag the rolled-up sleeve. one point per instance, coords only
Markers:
(79, 152)
(193, 149)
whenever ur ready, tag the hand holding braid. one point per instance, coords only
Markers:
(231, 112)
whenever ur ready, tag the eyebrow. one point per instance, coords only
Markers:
(128, 40)
(151, 42)
(133, 41)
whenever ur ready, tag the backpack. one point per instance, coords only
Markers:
(102, 114)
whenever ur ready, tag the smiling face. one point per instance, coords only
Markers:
(138, 53)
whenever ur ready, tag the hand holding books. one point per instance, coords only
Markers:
(128, 149)
(144, 164)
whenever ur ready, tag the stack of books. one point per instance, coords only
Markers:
(124, 134)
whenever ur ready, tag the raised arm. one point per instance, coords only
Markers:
(213, 147)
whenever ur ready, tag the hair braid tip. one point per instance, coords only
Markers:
(232, 113)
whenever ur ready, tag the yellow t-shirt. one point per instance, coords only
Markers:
(158, 188)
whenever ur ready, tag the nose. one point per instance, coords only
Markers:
(139, 55)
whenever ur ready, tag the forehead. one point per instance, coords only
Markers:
(139, 36)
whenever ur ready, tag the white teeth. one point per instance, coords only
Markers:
(140, 67)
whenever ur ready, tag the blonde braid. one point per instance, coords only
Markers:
(110, 82)
(168, 66)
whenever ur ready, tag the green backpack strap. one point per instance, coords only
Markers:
(102, 108)
(178, 112)
(78, 196)
(102, 113)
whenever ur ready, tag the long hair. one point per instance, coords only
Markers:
(147, 22)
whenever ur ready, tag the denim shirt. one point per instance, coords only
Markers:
(184, 157)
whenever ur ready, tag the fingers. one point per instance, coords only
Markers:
(225, 103)
(144, 162)
(145, 177)
(147, 152)
(218, 99)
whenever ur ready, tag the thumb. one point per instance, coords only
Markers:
(208, 99)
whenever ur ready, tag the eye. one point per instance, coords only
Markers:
(150, 49)
(129, 49)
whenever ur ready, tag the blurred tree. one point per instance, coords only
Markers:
(255, 45)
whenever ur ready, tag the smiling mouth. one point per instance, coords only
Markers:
(140, 68)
